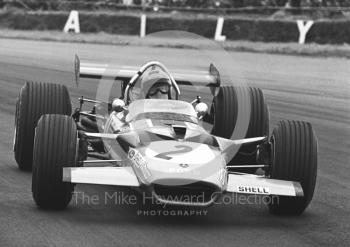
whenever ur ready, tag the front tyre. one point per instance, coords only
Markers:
(293, 158)
(55, 147)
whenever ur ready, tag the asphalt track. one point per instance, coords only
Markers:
(311, 89)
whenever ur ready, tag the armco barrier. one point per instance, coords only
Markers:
(265, 30)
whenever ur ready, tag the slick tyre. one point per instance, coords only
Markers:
(35, 99)
(293, 158)
(55, 147)
(254, 113)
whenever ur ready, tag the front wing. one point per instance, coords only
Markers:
(251, 184)
(125, 176)
(120, 176)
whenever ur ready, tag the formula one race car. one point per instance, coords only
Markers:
(151, 140)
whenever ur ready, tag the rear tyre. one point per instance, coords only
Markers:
(293, 158)
(55, 147)
(36, 99)
(224, 112)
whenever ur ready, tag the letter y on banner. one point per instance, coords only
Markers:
(303, 29)
(72, 22)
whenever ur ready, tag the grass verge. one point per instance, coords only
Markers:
(178, 42)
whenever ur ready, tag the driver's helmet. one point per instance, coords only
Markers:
(153, 83)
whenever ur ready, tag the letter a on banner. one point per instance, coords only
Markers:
(303, 29)
(72, 22)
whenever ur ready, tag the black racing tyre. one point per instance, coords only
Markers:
(225, 112)
(293, 158)
(36, 99)
(55, 147)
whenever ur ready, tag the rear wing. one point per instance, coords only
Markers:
(210, 78)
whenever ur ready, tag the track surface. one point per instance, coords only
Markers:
(312, 89)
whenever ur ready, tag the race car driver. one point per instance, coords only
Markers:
(159, 90)
(153, 84)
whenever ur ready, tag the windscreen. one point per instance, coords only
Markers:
(162, 109)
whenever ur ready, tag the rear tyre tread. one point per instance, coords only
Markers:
(225, 111)
(36, 99)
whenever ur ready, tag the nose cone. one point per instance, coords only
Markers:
(190, 194)
(176, 163)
